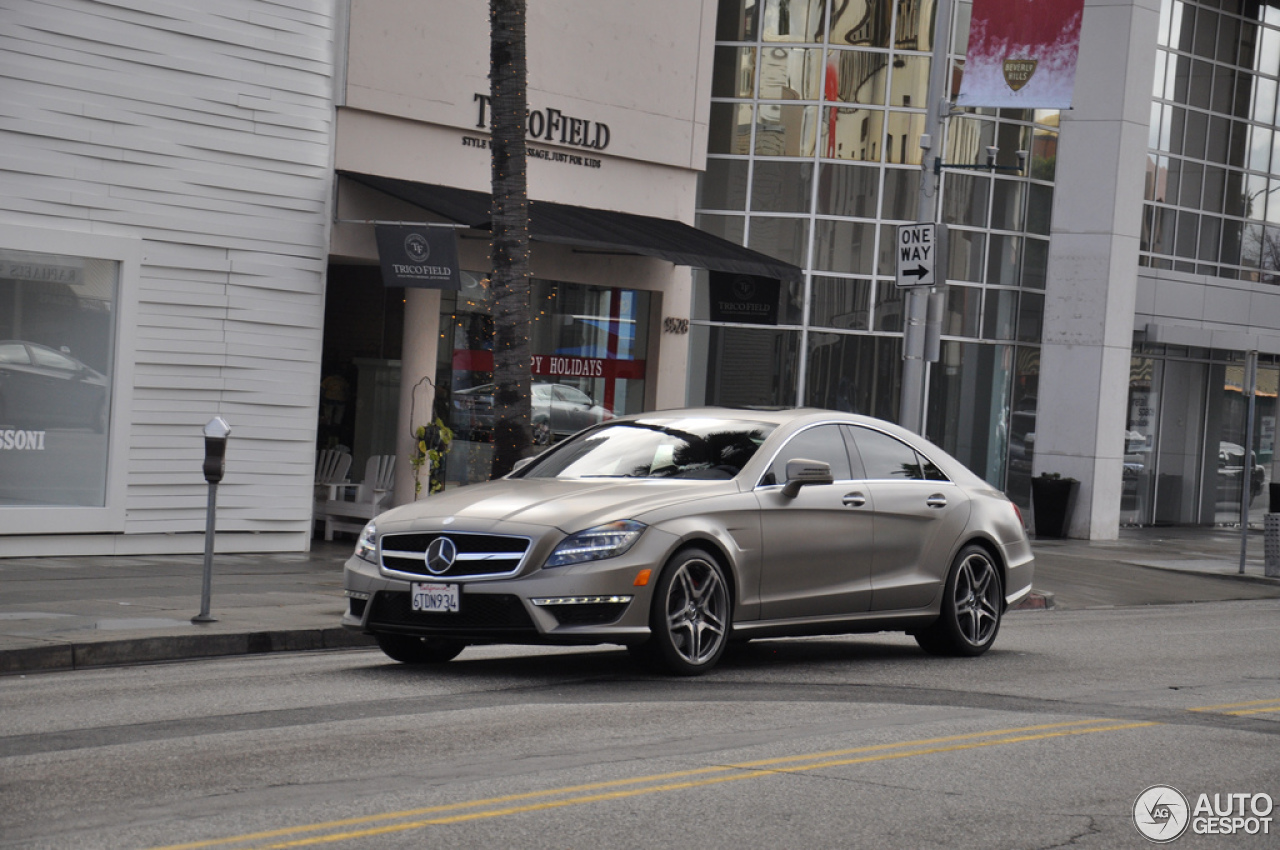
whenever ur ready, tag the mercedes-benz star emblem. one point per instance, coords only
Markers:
(440, 555)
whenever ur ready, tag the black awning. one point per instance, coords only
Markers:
(601, 230)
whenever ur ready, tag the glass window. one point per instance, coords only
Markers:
(824, 443)
(1008, 205)
(854, 373)
(1039, 209)
(910, 85)
(965, 260)
(857, 76)
(886, 458)
(1030, 317)
(1035, 263)
(1001, 314)
(902, 139)
(888, 310)
(965, 198)
(792, 20)
(969, 406)
(901, 199)
(782, 186)
(736, 20)
(961, 315)
(1004, 260)
(723, 186)
(730, 227)
(790, 74)
(734, 73)
(785, 130)
(848, 190)
(844, 246)
(843, 303)
(786, 239)
(745, 367)
(914, 27)
(57, 315)
(730, 128)
(852, 133)
(860, 23)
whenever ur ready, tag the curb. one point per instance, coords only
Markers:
(1035, 601)
(112, 653)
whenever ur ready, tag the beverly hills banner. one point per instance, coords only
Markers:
(1022, 54)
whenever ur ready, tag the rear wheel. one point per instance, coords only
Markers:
(408, 649)
(971, 607)
(690, 617)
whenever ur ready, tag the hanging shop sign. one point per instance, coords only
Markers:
(418, 256)
(1022, 54)
(744, 299)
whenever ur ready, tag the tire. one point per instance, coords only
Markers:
(419, 650)
(690, 616)
(972, 605)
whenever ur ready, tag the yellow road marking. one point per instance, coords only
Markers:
(674, 781)
(1243, 708)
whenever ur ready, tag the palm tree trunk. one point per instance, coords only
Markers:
(509, 282)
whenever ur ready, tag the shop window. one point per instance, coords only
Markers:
(57, 347)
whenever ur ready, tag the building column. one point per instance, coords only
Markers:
(417, 361)
(1093, 261)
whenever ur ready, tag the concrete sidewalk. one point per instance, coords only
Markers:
(70, 613)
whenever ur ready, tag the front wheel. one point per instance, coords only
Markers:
(971, 607)
(690, 618)
(419, 650)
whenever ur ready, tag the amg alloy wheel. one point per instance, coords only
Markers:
(971, 607)
(690, 616)
(419, 650)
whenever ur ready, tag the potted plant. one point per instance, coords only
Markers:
(431, 444)
(1052, 498)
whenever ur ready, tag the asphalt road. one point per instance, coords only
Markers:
(1047, 741)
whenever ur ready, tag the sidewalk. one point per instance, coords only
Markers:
(70, 613)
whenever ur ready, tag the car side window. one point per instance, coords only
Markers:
(12, 353)
(824, 443)
(888, 458)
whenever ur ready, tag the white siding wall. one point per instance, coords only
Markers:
(204, 130)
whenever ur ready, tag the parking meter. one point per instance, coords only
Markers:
(216, 432)
(215, 449)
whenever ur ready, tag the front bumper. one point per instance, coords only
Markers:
(605, 601)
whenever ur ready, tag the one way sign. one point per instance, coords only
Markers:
(920, 248)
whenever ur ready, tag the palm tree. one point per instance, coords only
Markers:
(509, 281)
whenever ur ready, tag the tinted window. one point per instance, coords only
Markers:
(886, 457)
(824, 443)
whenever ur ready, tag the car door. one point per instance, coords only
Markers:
(919, 516)
(816, 558)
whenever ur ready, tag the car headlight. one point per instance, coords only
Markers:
(367, 544)
(593, 544)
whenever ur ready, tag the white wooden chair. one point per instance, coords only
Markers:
(367, 499)
(332, 466)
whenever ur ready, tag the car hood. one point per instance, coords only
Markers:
(570, 505)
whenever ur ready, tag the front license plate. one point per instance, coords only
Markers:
(434, 597)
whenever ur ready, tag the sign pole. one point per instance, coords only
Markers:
(911, 406)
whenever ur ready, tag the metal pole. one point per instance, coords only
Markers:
(917, 298)
(1246, 471)
(206, 589)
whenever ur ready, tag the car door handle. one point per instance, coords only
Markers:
(937, 500)
(854, 500)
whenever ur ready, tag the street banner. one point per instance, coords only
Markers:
(1022, 54)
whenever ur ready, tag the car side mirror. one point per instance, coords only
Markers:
(803, 473)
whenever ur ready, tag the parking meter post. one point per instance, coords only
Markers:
(216, 432)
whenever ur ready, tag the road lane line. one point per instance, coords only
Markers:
(673, 781)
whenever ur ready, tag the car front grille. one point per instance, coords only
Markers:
(473, 555)
(478, 613)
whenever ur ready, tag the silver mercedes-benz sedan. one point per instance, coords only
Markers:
(675, 533)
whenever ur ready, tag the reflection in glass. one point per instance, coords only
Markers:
(844, 246)
(1035, 263)
(853, 134)
(736, 20)
(856, 76)
(848, 190)
(748, 367)
(730, 227)
(734, 73)
(914, 30)
(784, 130)
(901, 198)
(964, 199)
(843, 303)
(854, 373)
(723, 186)
(1030, 317)
(1008, 205)
(888, 314)
(793, 20)
(1000, 315)
(968, 404)
(860, 23)
(1004, 259)
(960, 318)
(785, 239)
(902, 138)
(910, 82)
(781, 186)
(790, 74)
(730, 128)
(965, 259)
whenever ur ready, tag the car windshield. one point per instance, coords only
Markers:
(702, 448)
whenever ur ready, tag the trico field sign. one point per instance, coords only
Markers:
(919, 248)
